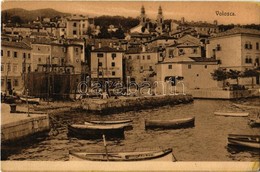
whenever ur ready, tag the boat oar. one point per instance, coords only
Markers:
(105, 144)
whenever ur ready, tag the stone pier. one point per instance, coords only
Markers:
(124, 104)
(18, 125)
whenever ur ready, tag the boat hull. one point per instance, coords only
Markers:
(111, 122)
(232, 114)
(31, 100)
(126, 125)
(163, 155)
(254, 123)
(170, 124)
(95, 133)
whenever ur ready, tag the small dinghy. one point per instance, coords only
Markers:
(254, 122)
(246, 106)
(232, 114)
(170, 124)
(96, 131)
(127, 121)
(250, 141)
(127, 124)
(31, 100)
(161, 155)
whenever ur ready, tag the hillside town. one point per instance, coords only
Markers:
(52, 56)
(104, 86)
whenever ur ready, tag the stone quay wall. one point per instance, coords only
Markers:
(106, 106)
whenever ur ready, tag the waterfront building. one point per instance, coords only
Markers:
(193, 72)
(16, 61)
(140, 64)
(237, 48)
(107, 63)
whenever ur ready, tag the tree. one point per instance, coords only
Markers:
(251, 73)
(220, 75)
(234, 74)
(104, 33)
(119, 33)
(89, 31)
(16, 19)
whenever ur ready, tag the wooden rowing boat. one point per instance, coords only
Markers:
(170, 124)
(246, 106)
(31, 100)
(161, 155)
(127, 124)
(111, 122)
(250, 141)
(254, 122)
(96, 131)
(232, 114)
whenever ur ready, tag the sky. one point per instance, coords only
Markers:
(245, 12)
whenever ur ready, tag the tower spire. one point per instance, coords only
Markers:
(142, 16)
(160, 10)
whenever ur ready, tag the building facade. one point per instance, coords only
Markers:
(237, 48)
(15, 63)
(107, 64)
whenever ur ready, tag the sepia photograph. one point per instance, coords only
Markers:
(130, 86)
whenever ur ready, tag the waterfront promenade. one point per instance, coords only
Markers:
(19, 125)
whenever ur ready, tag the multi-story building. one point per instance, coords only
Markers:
(237, 48)
(190, 72)
(77, 26)
(187, 45)
(16, 61)
(107, 63)
(202, 28)
(140, 64)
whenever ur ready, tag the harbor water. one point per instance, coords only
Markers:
(207, 141)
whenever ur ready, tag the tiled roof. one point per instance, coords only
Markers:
(195, 24)
(134, 50)
(21, 45)
(238, 30)
(39, 33)
(108, 49)
(37, 40)
(203, 59)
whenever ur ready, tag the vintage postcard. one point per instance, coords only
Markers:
(130, 86)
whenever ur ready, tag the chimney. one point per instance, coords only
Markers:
(99, 45)
(215, 22)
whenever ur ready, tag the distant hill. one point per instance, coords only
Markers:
(26, 15)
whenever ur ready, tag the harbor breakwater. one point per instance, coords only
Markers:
(124, 104)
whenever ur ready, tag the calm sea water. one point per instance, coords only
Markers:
(207, 141)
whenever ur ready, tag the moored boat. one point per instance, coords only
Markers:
(170, 124)
(127, 124)
(246, 106)
(232, 114)
(31, 100)
(250, 141)
(160, 155)
(111, 122)
(254, 122)
(96, 131)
